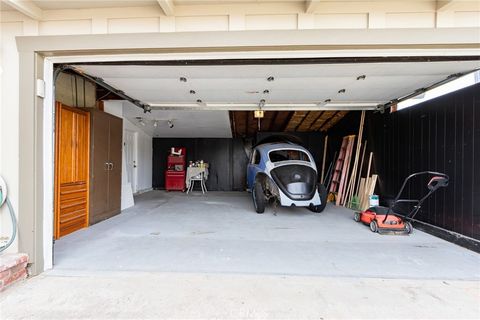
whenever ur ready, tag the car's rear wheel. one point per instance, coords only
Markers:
(373, 226)
(322, 192)
(258, 196)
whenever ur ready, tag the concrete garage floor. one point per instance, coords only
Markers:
(177, 255)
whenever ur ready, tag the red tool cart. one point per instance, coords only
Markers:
(175, 173)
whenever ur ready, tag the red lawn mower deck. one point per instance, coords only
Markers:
(385, 220)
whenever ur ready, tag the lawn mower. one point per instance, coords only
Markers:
(388, 220)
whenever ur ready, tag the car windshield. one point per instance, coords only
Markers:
(287, 155)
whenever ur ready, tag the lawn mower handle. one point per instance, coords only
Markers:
(433, 185)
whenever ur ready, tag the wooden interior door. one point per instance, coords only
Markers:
(99, 166)
(115, 159)
(72, 157)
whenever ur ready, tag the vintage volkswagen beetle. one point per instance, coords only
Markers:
(284, 172)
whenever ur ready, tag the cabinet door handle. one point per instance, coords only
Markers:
(111, 164)
(107, 166)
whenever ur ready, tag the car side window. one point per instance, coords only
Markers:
(256, 157)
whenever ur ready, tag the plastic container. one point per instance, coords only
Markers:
(374, 200)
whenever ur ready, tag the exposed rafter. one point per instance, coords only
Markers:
(26, 7)
(167, 6)
(295, 120)
(444, 5)
(311, 5)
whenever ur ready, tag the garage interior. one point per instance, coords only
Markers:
(207, 107)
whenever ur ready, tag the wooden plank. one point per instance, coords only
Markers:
(370, 191)
(353, 176)
(361, 168)
(295, 120)
(345, 170)
(337, 169)
(324, 158)
(287, 120)
(361, 190)
(266, 122)
(367, 181)
(318, 123)
(308, 121)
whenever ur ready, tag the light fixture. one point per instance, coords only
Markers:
(266, 91)
(270, 79)
(192, 92)
(183, 79)
(258, 114)
(462, 82)
(170, 124)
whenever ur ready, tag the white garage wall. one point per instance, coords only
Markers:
(265, 16)
(144, 157)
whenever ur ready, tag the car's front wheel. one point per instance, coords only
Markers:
(258, 196)
(322, 192)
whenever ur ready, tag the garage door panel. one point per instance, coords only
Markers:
(279, 71)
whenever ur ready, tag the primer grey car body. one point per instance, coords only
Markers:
(291, 182)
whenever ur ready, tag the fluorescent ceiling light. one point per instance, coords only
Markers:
(451, 86)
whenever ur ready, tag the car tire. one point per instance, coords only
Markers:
(373, 226)
(258, 197)
(322, 192)
(356, 216)
(408, 227)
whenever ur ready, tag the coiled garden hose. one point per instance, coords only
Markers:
(12, 216)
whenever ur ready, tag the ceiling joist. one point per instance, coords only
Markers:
(321, 120)
(167, 6)
(295, 120)
(308, 121)
(334, 120)
(444, 5)
(311, 5)
(27, 7)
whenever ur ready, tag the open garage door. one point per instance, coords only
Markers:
(204, 112)
(304, 95)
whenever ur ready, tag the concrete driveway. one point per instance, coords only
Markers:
(193, 256)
